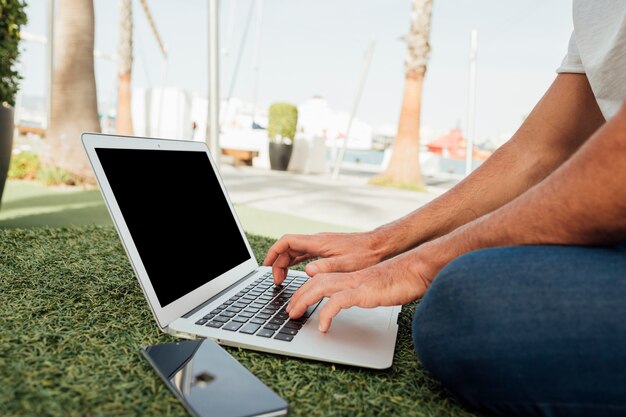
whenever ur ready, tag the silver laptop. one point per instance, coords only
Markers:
(195, 265)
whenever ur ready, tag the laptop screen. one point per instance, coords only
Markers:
(174, 206)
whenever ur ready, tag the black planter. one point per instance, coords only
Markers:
(6, 143)
(280, 154)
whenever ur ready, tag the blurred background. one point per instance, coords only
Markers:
(312, 106)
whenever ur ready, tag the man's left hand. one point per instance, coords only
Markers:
(394, 282)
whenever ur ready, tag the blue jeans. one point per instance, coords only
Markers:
(529, 331)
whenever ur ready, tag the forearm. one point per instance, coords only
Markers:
(564, 118)
(581, 203)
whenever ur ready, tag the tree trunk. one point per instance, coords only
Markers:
(403, 170)
(74, 99)
(125, 54)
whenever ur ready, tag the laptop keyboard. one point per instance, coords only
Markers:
(259, 309)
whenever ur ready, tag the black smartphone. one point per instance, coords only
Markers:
(211, 383)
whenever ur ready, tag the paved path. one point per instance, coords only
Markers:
(349, 202)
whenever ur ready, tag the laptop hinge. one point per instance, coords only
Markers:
(216, 296)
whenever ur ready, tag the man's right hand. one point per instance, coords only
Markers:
(340, 252)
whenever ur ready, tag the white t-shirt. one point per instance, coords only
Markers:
(598, 48)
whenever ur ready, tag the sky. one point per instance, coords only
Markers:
(316, 47)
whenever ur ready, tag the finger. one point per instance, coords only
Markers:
(336, 303)
(300, 243)
(303, 289)
(299, 259)
(279, 268)
(326, 265)
(317, 288)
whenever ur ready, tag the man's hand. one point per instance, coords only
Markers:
(340, 252)
(394, 282)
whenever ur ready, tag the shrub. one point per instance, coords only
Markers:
(51, 175)
(283, 121)
(24, 166)
(12, 17)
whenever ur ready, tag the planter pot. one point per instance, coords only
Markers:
(6, 143)
(280, 154)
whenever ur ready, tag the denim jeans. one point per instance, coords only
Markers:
(529, 331)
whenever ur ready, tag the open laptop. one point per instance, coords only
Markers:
(195, 265)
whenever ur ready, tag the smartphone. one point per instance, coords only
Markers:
(211, 383)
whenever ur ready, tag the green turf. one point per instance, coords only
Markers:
(73, 319)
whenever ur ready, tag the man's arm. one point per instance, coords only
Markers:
(581, 203)
(564, 118)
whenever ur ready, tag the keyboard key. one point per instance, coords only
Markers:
(233, 326)
(271, 326)
(240, 319)
(209, 316)
(233, 309)
(277, 321)
(250, 328)
(224, 306)
(233, 299)
(258, 321)
(284, 337)
(247, 315)
(240, 304)
(221, 318)
(293, 325)
(201, 321)
(227, 302)
(255, 292)
(216, 311)
(287, 330)
(227, 314)
(257, 305)
(264, 316)
(240, 294)
(251, 310)
(249, 298)
(281, 316)
(269, 310)
(215, 323)
(264, 298)
(265, 333)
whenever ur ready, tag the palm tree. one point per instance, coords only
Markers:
(125, 57)
(404, 169)
(74, 107)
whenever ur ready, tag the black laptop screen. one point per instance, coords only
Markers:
(177, 215)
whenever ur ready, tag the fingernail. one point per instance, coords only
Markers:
(320, 328)
(288, 308)
(312, 269)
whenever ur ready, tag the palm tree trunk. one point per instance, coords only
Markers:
(125, 53)
(404, 169)
(74, 107)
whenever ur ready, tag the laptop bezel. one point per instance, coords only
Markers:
(164, 315)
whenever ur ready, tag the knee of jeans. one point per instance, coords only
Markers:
(444, 312)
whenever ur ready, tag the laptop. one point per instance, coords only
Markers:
(197, 269)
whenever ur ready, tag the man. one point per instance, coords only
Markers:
(520, 267)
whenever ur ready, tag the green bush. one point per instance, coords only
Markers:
(24, 166)
(12, 17)
(283, 121)
(51, 175)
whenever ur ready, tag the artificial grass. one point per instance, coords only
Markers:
(73, 319)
